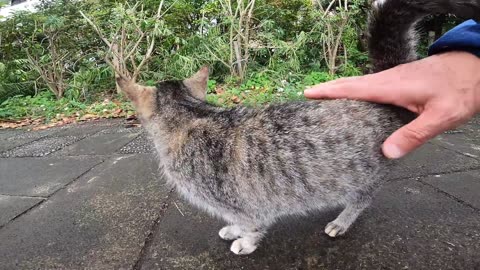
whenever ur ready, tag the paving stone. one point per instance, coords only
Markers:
(472, 128)
(461, 143)
(409, 226)
(42, 143)
(41, 176)
(465, 186)
(80, 130)
(141, 144)
(7, 145)
(432, 159)
(9, 133)
(90, 127)
(12, 206)
(122, 129)
(100, 221)
(41, 147)
(12, 138)
(99, 144)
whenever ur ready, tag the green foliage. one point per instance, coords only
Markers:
(262, 88)
(88, 82)
(42, 105)
(46, 106)
(316, 77)
(286, 50)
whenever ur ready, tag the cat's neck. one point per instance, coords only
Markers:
(180, 115)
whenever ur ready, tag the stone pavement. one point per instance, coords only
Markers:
(89, 196)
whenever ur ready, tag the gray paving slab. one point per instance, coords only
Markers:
(7, 145)
(432, 159)
(11, 138)
(7, 133)
(472, 128)
(465, 186)
(80, 130)
(141, 144)
(409, 226)
(89, 128)
(101, 221)
(41, 176)
(12, 206)
(42, 147)
(461, 143)
(98, 144)
(123, 129)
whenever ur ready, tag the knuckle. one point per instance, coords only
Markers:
(416, 136)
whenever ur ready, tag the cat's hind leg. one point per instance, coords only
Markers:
(355, 206)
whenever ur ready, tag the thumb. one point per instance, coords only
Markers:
(413, 135)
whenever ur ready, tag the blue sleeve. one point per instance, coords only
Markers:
(464, 37)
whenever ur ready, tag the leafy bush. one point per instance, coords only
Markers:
(291, 44)
(46, 106)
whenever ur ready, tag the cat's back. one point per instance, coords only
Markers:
(329, 118)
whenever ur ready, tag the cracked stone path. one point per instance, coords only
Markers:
(90, 196)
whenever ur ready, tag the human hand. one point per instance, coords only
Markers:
(444, 90)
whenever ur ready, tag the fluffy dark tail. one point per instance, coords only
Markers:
(392, 36)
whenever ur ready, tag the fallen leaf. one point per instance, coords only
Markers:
(235, 99)
(88, 116)
(219, 91)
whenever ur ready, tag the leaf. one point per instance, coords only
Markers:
(88, 116)
(235, 99)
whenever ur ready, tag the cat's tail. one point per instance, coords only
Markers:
(392, 36)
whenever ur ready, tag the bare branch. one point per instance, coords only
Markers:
(144, 60)
(329, 7)
(95, 27)
(214, 55)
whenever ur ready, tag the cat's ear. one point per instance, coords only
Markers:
(197, 84)
(142, 97)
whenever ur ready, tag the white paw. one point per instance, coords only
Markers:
(230, 232)
(334, 230)
(243, 246)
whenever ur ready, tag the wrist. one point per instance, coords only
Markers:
(463, 72)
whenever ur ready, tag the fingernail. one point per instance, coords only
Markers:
(392, 151)
(310, 90)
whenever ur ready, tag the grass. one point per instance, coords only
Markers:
(261, 89)
(47, 108)
(258, 89)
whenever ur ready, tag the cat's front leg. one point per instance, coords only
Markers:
(247, 238)
(248, 243)
(232, 232)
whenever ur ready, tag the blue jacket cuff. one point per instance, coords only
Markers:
(464, 37)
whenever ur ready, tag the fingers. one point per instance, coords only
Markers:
(413, 135)
(367, 88)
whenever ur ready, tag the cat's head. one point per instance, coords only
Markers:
(146, 99)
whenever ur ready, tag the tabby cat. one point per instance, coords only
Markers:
(253, 166)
